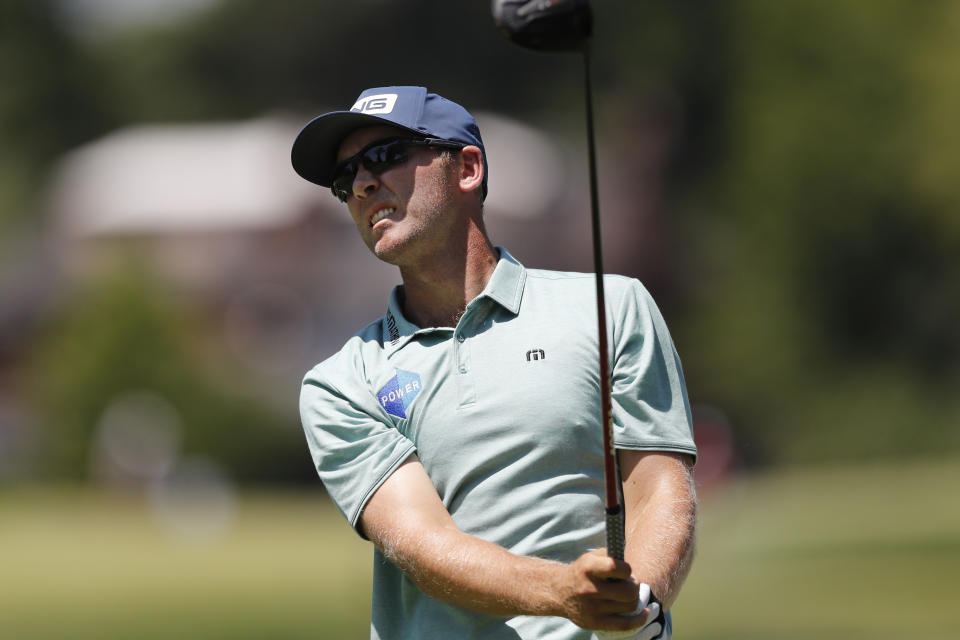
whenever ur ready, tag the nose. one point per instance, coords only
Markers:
(364, 183)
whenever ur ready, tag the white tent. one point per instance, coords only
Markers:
(184, 178)
(235, 177)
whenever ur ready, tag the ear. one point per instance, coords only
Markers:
(471, 168)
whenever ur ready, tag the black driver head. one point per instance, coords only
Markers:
(545, 25)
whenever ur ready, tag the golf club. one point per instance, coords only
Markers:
(566, 25)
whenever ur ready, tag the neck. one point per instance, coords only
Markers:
(436, 295)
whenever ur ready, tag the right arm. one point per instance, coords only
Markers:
(408, 522)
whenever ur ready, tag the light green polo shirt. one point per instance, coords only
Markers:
(503, 411)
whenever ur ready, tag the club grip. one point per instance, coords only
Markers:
(615, 535)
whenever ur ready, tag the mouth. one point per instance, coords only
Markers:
(381, 214)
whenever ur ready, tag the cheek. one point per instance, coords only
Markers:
(363, 229)
(433, 186)
(355, 215)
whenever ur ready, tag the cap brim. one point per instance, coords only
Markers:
(314, 153)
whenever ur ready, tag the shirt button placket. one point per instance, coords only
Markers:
(465, 391)
(463, 354)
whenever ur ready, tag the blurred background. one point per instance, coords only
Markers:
(782, 176)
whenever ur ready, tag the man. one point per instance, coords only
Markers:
(459, 433)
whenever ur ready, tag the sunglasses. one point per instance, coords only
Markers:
(377, 157)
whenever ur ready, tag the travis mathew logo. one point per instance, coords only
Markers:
(395, 396)
(536, 354)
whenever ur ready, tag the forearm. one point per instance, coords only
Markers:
(460, 569)
(660, 530)
(409, 524)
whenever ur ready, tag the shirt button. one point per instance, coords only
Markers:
(460, 338)
(463, 368)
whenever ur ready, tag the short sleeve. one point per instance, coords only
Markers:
(354, 445)
(650, 405)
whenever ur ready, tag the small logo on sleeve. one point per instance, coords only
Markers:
(395, 396)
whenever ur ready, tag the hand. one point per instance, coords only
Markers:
(653, 630)
(600, 593)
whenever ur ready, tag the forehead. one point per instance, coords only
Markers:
(360, 138)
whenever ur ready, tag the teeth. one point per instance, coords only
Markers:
(380, 215)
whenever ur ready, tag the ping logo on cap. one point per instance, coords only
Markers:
(380, 103)
(399, 392)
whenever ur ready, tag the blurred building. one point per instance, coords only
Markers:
(271, 265)
(218, 213)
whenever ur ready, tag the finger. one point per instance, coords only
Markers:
(621, 571)
(607, 569)
(654, 611)
(610, 569)
(615, 635)
(618, 608)
(650, 631)
(620, 622)
(621, 591)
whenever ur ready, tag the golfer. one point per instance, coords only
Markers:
(459, 433)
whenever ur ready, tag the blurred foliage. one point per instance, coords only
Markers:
(828, 309)
(50, 100)
(811, 222)
(242, 59)
(121, 334)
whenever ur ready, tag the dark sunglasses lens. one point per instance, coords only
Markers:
(375, 159)
(342, 184)
(381, 157)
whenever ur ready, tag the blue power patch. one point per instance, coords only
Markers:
(399, 392)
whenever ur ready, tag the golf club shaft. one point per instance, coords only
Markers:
(614, 511)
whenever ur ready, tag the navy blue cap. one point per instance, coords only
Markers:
(426, 115)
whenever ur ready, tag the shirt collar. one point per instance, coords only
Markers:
(396, 329)
(506, 284)
(505, 287)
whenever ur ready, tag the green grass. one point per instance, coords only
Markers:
(79, 564)
(862, 552)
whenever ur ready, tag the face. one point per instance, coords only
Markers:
(405, 212)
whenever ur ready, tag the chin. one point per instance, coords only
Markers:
(389, 252)
(399, 248)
